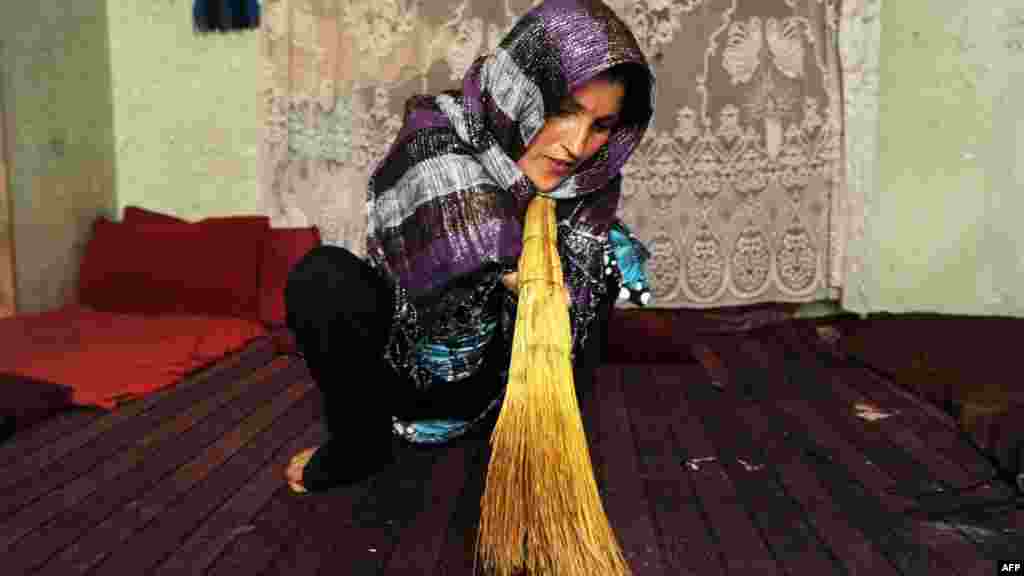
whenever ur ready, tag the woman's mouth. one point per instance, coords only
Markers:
(560, 167)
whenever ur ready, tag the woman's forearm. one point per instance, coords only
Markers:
(511, 281)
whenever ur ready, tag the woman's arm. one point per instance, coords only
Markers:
(511, 281)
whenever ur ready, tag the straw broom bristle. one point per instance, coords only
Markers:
(541, 512)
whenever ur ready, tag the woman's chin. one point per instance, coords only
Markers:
(547, 184)
(545, 181)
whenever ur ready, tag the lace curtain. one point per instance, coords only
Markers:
(739, 188)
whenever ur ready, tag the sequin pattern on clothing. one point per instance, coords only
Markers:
(453, 347)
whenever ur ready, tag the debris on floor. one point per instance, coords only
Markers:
(871, 413)
(828, 334)
(244, 529)
(692, 463)
(974, 532)
(748, 466)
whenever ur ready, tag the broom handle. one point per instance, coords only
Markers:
(540, 244)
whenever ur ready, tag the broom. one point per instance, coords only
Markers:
(540, 510)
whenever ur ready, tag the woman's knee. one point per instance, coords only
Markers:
(309, 279)
(330, 278)
(320, 260)
(317, 271)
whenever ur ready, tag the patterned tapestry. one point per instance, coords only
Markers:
(739, 188)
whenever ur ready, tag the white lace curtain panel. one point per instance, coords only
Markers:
(741, 188)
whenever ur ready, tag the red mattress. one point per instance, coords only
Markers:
(103, 358)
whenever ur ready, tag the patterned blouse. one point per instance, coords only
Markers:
(467, 318)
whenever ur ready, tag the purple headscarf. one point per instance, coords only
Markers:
(448, 199)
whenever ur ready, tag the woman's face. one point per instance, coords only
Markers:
(575, 134)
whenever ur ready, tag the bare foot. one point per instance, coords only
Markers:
(294, 471)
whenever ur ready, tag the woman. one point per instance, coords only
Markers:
(415, 341)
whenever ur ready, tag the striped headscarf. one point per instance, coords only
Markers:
(448, 199)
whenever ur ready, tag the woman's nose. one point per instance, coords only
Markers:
(576, 140)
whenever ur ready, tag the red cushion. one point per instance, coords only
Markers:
(103, 358)
(208, 269)
(286, 247)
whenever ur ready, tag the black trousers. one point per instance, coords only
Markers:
(340, 311)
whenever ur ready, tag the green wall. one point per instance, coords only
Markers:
(186, 114)
(944, 225)
(56, 84)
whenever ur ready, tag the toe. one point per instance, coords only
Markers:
(293, 473)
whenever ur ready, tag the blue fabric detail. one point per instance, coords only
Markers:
(224, 15)
(456, 357)
(440, 431)
(201, 14)
(452, 359)
(631, 256)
